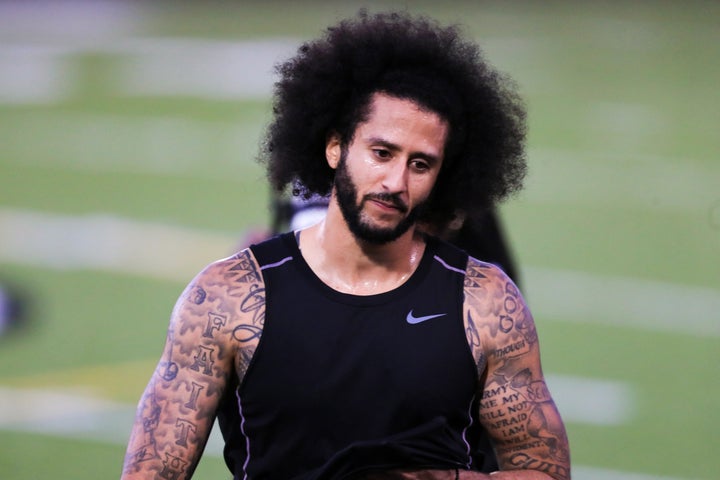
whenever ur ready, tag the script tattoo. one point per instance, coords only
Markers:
(150, 420)
(253, 304)
(515, 405)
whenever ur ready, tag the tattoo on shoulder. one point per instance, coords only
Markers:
(515, 315)
(474, 272)
(197, 295)
(244, 270)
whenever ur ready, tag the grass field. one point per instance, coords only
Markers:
(128, 135)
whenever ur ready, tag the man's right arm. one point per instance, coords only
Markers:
(214, 329)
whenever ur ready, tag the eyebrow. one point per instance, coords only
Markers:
(395, 147)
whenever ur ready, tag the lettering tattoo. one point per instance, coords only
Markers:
(203, 360)
(194, 394)
(523, 460)
(515, 405)
(215, 321)
(214, 331)
(186, 427)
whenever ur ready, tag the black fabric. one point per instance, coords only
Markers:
(342, 384)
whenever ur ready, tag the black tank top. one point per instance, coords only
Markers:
(342, 384)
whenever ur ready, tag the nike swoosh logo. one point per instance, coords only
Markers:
(412, 320)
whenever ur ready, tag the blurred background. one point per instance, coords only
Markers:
(128, 138)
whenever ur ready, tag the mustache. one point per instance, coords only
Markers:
(390, 198)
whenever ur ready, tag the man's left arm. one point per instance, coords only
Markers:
(515, 405)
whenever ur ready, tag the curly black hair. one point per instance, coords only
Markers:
(327, 86)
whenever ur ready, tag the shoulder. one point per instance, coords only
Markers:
(486, 281)
(224, 304)
(226, 277)
(496, 315)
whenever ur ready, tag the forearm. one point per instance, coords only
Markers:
(165, 443)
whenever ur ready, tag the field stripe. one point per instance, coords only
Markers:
(156, 145)
(646, 304)
(591, 473)
(184, 147)
(592, 401)
(110, 243)
(76, 414)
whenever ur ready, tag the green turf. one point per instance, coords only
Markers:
(623, 182)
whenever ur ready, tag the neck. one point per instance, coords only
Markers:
(351, 265)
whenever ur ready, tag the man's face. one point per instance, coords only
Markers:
(387, 172)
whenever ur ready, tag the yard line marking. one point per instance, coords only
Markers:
(109, 243)
(610, 300)
(592, 401)
(64, 412)
(592, 473)
(70, 413)
(651, 182)
(178, 146)
(78, 411)
(156, 66)
(164, 145)
(174, 253)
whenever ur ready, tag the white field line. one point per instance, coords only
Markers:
(621, 301)
(108, 243)
(162, 145)
(181, 146)
(624, 181)
(177, 253)
(213, 69)
(73, 414)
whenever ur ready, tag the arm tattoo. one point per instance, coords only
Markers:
(214, 331)
(515, 406)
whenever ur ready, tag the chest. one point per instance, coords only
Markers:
(398, 355)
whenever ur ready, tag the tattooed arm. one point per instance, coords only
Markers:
(213, 331)
(516, 407)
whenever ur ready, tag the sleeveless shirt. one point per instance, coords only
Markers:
(342, 384)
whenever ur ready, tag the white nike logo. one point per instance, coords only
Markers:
(412, 320)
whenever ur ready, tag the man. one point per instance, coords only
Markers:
(361, 347)
(481, 235)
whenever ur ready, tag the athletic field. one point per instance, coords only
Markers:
(128, 136)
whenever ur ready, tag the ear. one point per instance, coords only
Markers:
(333, 150)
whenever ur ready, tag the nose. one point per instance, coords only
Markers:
(395, 179)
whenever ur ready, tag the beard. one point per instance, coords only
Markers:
(346, 193)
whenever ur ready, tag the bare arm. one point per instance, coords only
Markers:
(516, 407)
(213, 331)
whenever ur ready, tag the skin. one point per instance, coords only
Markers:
(218, 320)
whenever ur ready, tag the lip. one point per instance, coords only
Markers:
(385, 205)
